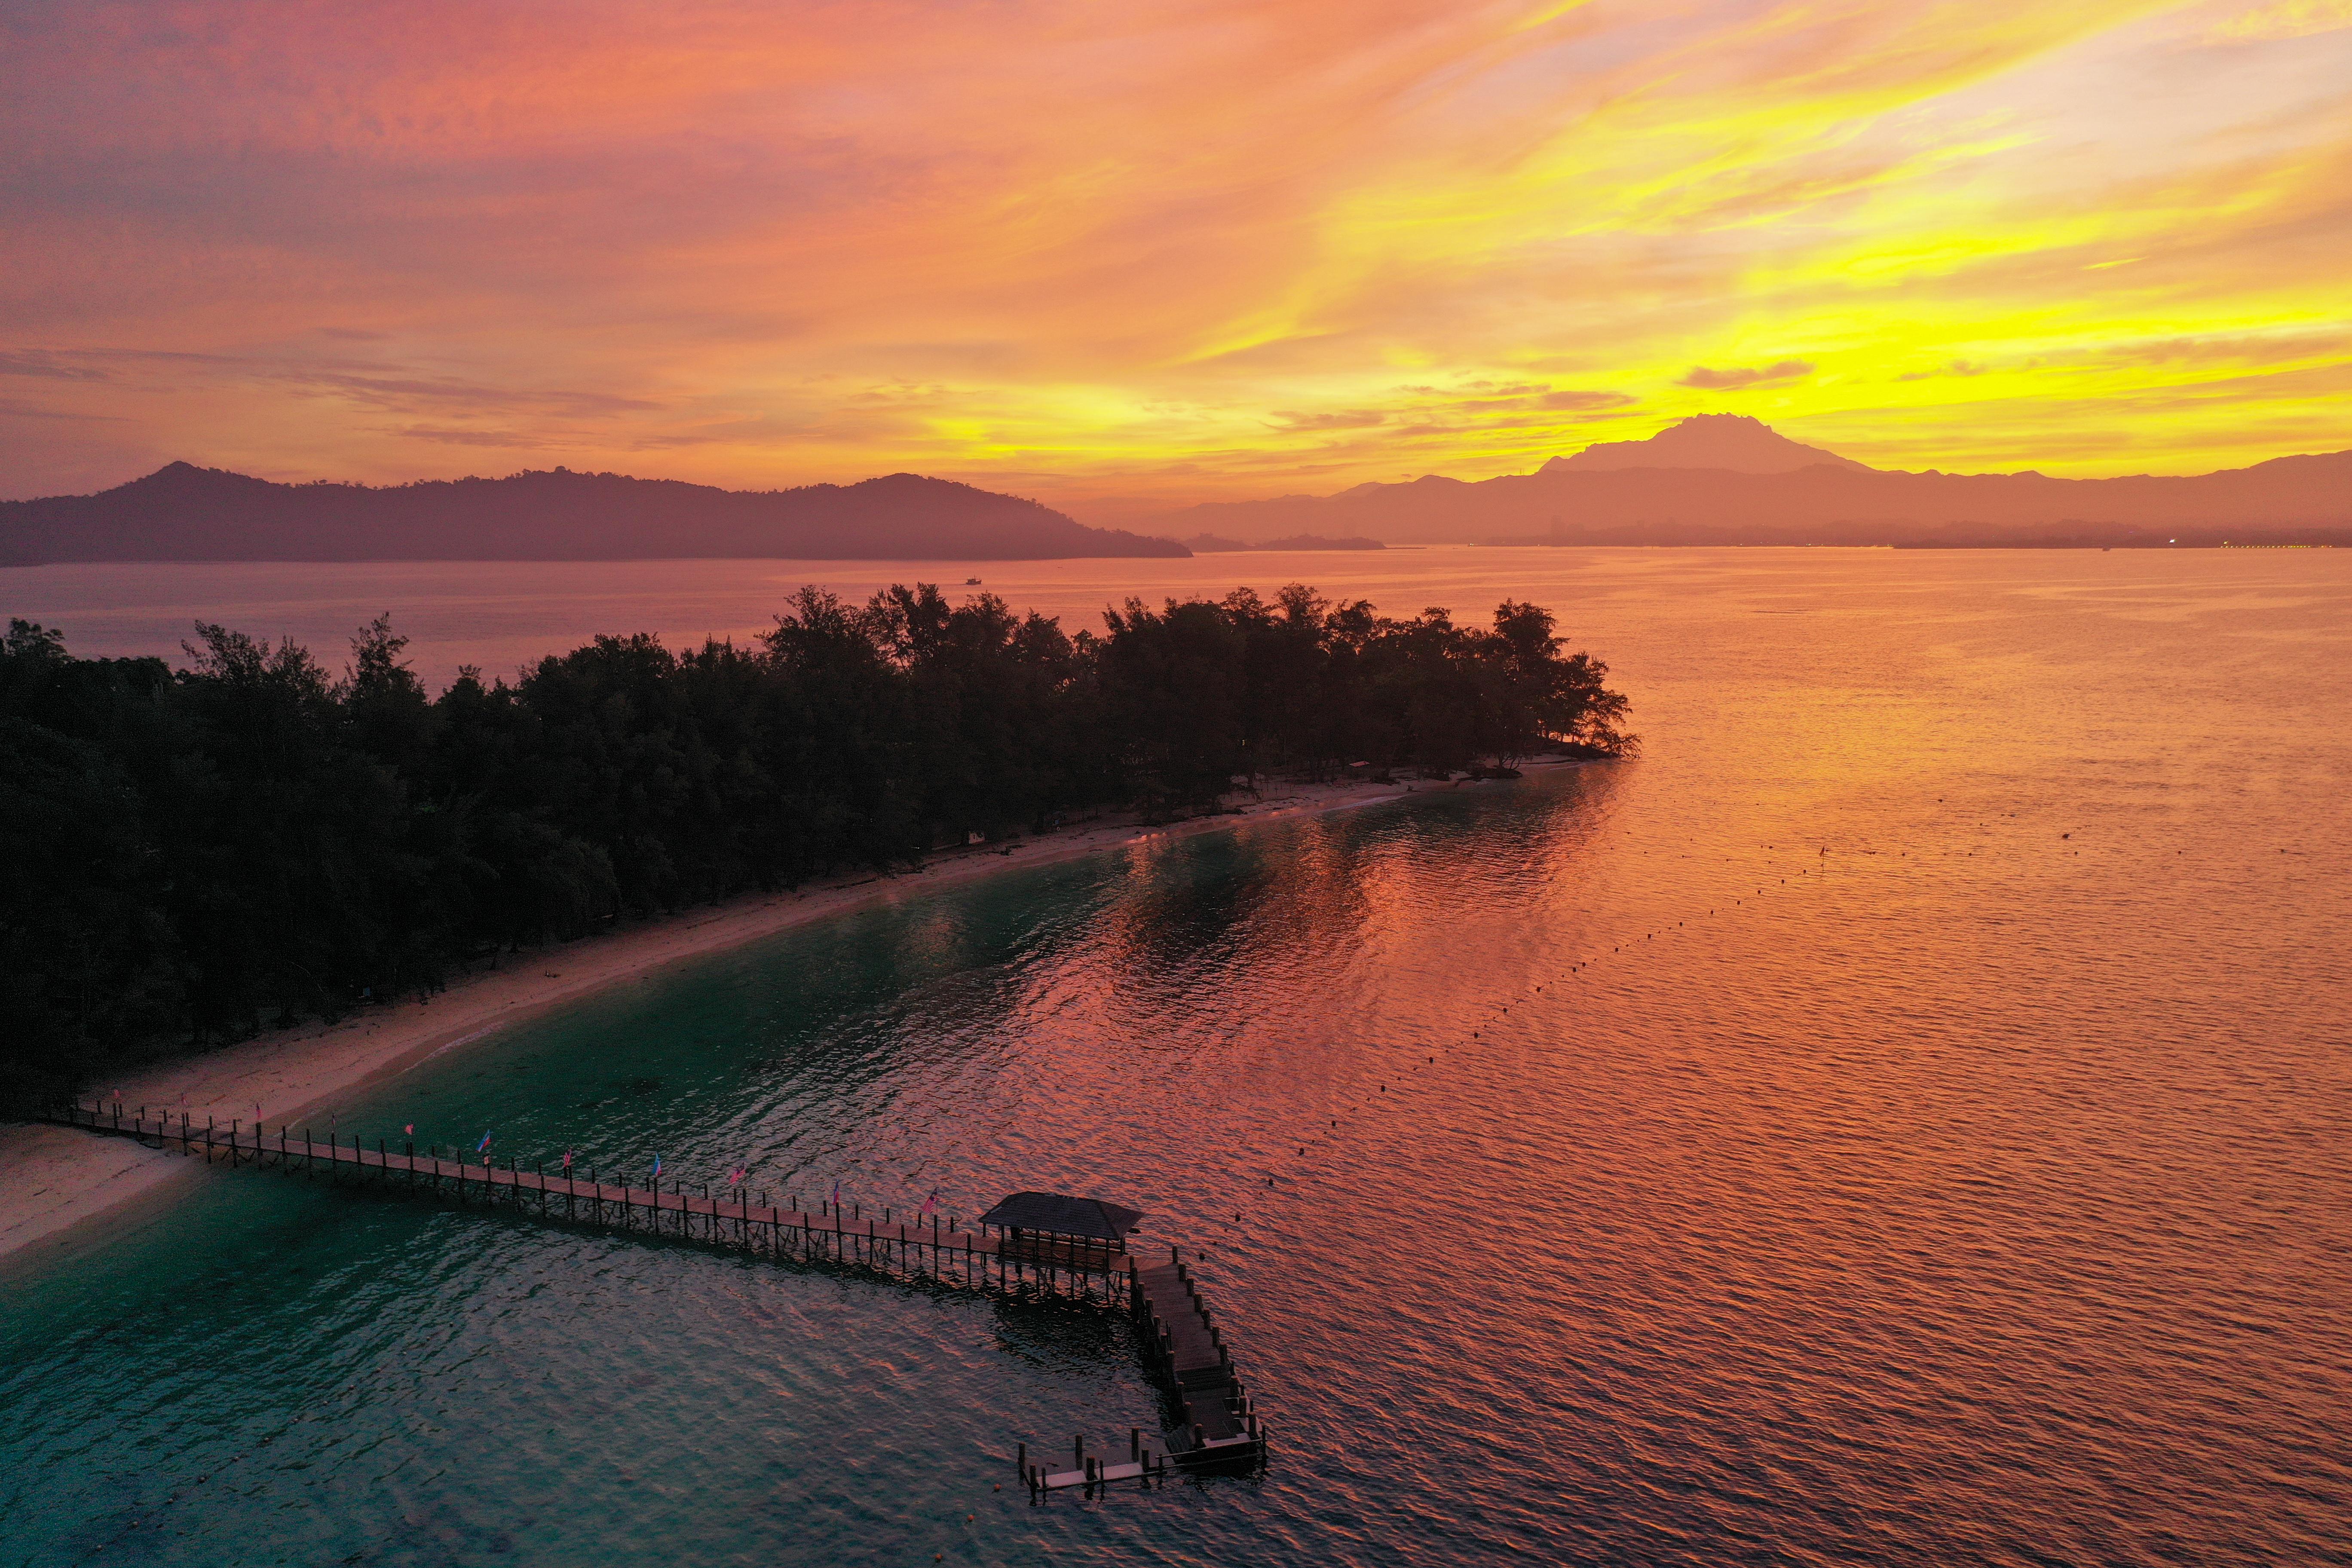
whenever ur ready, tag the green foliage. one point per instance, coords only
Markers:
(191, 855)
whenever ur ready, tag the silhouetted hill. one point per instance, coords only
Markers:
(2305, 499)
(181, 512)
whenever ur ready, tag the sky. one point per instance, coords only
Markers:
(1126, 256)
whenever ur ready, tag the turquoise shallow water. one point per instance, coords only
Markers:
(1973, 1192)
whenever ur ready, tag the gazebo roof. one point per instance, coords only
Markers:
(1063, 1216)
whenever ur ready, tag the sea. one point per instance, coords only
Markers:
(1903, 1116)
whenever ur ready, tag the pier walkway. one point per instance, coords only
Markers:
(964, 1257)
(1182, 1343)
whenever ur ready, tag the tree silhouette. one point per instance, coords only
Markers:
(190, 856)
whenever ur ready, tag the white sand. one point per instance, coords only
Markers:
(54, 1179)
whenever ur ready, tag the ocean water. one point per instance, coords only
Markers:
(1904, 1116)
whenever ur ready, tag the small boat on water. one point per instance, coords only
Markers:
(971, 581)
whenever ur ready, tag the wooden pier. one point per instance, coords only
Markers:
(1183, 1346)
(979, 1258)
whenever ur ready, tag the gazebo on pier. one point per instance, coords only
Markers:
(1056, 1230)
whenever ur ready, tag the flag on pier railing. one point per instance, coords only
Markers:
(735, 1177)
(484, 1146)
(931, 1203)
(567, 1159)
(836, 1197)
(657, 1167)
(409, 1130)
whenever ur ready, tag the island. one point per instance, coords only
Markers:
(252, 841)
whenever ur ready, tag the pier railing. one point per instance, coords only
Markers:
(930, 1251)
(1183, 1343)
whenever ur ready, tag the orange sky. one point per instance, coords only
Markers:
(1124, 256)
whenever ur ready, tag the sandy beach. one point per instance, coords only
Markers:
(55, 1182)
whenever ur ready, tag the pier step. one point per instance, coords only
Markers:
(1194, 1357)
(1217, 1420)
(1188, 1350)
(1054, 1479)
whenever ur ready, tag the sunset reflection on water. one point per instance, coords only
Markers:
(1970, 1192)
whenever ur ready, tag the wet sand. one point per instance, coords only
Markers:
(54, 1182)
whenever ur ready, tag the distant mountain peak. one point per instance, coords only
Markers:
(1731, 442)
(177, 471)
(181, 478)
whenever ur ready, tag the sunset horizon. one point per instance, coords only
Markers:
(1202, 253)
(1116, 510)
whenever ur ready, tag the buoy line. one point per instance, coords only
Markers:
(1281, 1166)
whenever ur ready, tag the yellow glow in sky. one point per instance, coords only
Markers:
(1121, 258)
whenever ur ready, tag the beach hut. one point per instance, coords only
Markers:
(1055, 1228)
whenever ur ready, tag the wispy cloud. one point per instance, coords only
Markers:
(1958, 367)
(1585, 402)
(1735, 379)
(1347, 419)
(34, 362)
(14, 408)
(501, 440)
(404, 393)
(2285, 19)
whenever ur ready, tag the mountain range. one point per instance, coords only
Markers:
(1721, 478)
(182, 512)
(1714, 478)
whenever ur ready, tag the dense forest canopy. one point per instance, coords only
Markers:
(189, 855)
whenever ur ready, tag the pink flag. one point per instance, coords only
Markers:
(567, 1159)
(409, 1130)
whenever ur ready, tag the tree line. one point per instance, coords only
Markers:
(190, 856)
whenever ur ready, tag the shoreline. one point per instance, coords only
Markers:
(56, 1183)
